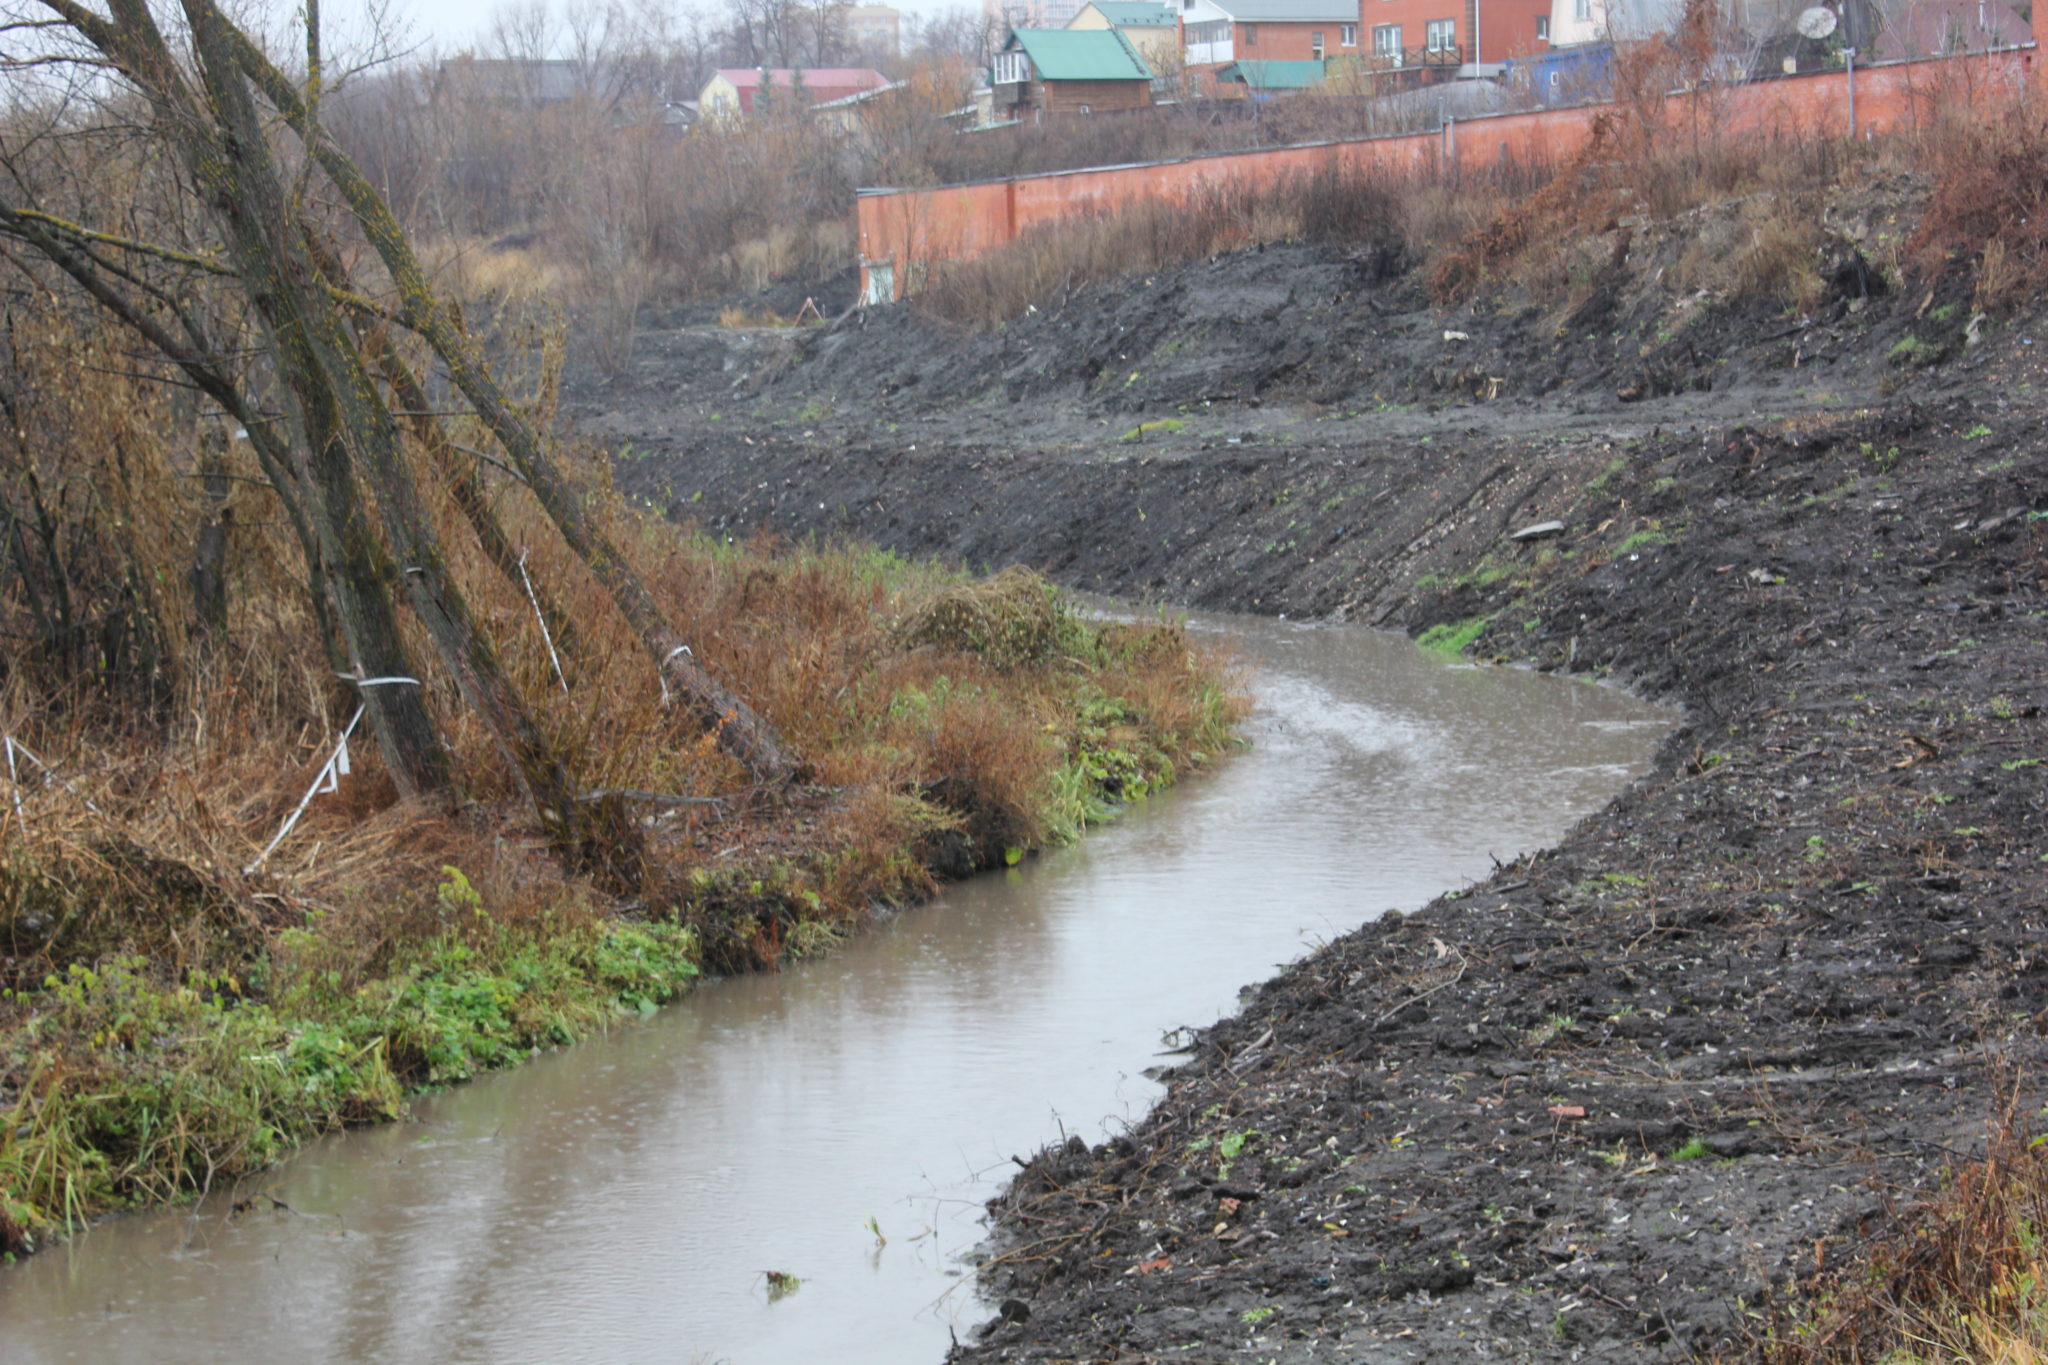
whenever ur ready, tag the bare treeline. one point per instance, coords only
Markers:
(561, 157)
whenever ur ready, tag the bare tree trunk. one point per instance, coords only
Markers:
(358, 571)
(741, 732)
(344, 415)
(209, 559)
(467, 486)
(211, 375)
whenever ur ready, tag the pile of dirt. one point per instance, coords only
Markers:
(1316, 325)
(829, 294)
(1625, 1096)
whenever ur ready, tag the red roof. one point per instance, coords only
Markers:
(821, 83)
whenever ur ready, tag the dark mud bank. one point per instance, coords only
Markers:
(1622, 1098)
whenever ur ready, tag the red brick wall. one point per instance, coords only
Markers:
(914, 228)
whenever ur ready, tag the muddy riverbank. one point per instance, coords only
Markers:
(844, 1121)
(1619, 1099)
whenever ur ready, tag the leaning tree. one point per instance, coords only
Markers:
(343, 315)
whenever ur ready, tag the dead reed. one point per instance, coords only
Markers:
(1988, 212)
(1961, 1277)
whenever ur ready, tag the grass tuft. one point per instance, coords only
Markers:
(1962, 1277)
(1453, 637)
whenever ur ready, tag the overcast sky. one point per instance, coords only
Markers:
(444, 25)
(448, 26)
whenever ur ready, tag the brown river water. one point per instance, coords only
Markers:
(619, 1201)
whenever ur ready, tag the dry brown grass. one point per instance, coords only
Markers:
(1761, 246)
(736, 316)
(517, 269)
(1757, 206)
(1046, 264)
(1989, 208)
(1961, 1280)
(920, 703)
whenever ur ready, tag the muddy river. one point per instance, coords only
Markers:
(622, 1200)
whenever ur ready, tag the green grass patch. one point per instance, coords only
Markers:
(1602, 485)
(1646, 539)
(1911, 350)
(1453, 637)
(136, 1090)
(1164, 426)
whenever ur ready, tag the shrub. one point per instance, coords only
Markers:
(1962, 1276)
(1989, 205)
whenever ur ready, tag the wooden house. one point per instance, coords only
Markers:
(1058, 72)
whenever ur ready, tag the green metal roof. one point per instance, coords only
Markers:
(1273, 75)
(1081, 54)
(1135, 13)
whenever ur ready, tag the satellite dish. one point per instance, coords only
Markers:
(1817, 22)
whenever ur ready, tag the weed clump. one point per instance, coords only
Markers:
(1453, 637)
(1010, 620)
(1963, 1277)
(1989, 205)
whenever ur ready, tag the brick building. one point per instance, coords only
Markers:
(1216, 33)
(1419, 40)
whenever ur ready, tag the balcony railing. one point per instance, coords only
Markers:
(1414, 57)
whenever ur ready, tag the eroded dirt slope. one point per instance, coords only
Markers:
(1614, 1102)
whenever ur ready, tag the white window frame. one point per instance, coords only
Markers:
(1012, 68)
(1347, 35)
(1386, 41)
(1542, 28)
(1315, 44)
(1440, 35)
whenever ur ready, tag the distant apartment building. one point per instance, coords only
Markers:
(875, 31)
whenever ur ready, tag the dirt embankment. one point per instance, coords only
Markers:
(1616, 1101)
